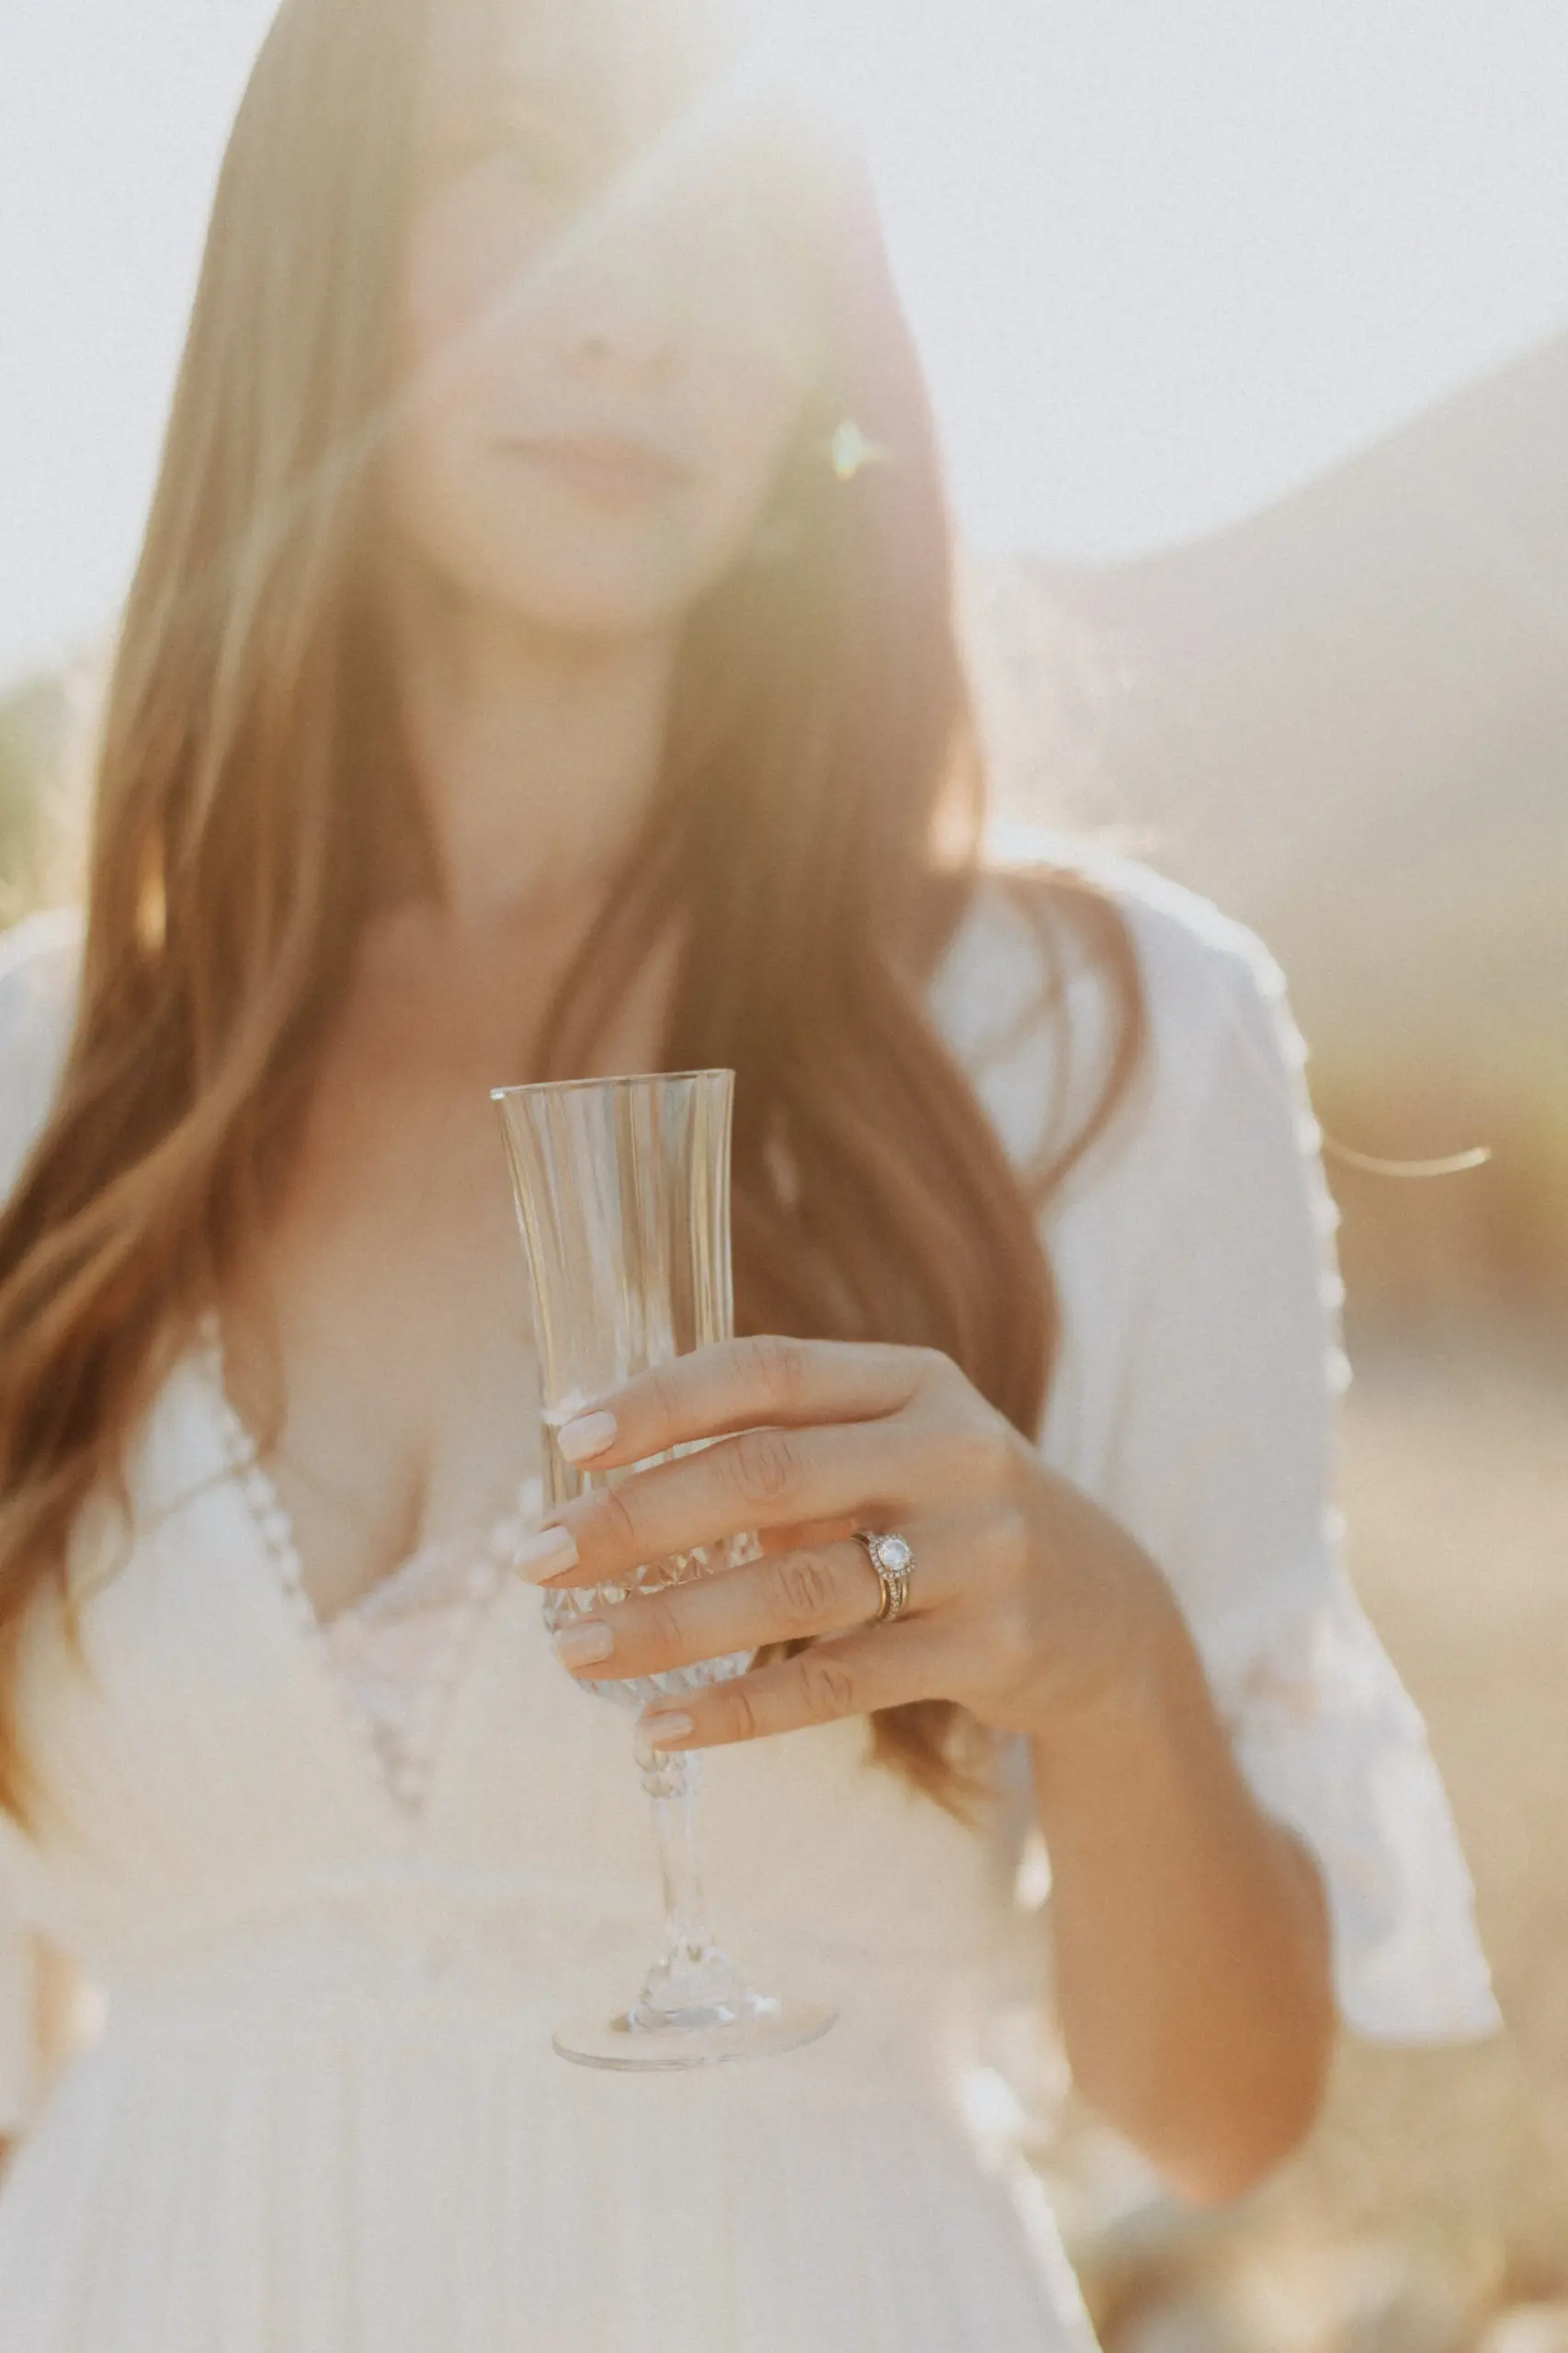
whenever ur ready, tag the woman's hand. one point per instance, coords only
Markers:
(1027, 1603)
(1190, 1929)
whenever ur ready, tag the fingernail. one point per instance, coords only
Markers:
(665, 1730)
(546, 1554)
(581, 1645)
(587, 1434)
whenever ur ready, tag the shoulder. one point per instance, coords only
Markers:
(1213, 996)
(1195, 959)
(40, 964)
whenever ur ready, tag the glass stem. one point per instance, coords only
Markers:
(692, 1982)
(672, 1791)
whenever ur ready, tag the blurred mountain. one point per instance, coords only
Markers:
(1346, 717)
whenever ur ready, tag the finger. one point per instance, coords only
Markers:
(734, 1384)
(780, 1599)
(805, 1535)
(884, 1667)
(762, 1478)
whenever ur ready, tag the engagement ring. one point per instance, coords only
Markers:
(893, 1560)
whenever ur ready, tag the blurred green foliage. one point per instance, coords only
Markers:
(34, 729)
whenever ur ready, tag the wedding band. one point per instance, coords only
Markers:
(893, 1560)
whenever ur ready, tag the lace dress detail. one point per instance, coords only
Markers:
(399, 1650)
(394, 1655)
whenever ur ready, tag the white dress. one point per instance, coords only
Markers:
(335, 1886)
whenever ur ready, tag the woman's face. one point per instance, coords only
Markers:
(609, 315)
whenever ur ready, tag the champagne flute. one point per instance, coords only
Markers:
(622, 1193)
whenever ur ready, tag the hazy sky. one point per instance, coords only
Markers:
(1165, 261)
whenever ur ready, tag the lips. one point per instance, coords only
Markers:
(604, 464)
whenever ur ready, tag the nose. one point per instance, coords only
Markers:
(618, 339)
(623, 308)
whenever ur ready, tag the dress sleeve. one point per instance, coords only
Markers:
(1223, 1462)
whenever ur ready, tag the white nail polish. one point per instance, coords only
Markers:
(661, 1730)
(587, 1434)
(546, 1554)
(584, 1646)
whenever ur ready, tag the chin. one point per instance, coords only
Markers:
(603, 607)
(597, 600)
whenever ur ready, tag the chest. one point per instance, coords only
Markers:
(393, 1399)
(378, 1348)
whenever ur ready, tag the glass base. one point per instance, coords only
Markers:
(758, 2030)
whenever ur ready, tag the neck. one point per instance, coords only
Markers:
(534, 752)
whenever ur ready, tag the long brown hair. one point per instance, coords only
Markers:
(250, 770)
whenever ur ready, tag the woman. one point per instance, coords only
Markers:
(541, 662)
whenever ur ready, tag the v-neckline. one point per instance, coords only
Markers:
(272, 1525)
